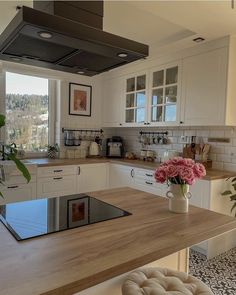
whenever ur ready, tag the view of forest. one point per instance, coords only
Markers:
(27, 121)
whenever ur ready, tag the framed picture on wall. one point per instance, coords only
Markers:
(78, 212)
(80, 99)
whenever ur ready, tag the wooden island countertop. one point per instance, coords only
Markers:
(70, 261)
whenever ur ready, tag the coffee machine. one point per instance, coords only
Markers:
(114, 147)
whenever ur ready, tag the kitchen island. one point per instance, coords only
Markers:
(71, 261)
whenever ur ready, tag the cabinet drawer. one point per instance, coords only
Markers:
(143, 173)
(56, 186)
(17, 193)
(19, 180)
(56, 170)
(150, 186)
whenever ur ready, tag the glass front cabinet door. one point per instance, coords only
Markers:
(164, 96)
(136, 100)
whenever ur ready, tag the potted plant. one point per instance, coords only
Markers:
(10, 153)
(231, 193)
(179, 173)
(53, 150)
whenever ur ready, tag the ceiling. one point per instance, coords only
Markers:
(164, 25)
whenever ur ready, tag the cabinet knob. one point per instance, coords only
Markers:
(181, 122)
(120, 124)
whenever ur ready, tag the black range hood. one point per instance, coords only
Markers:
(69, 38)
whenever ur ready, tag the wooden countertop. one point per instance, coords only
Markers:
(70, 261)
(212, 174)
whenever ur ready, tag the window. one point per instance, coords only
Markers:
(27, 111)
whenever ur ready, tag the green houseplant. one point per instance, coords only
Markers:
(10, 153)
(231, 193)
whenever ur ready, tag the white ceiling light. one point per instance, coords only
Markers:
(122, 54)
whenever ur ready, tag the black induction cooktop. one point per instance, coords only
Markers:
(35, 218)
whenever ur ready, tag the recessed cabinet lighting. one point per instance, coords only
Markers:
(80, 72)
(122, 54)
(15, 58)
(45, 35)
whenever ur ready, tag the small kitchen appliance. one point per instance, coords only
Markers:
(114, 147)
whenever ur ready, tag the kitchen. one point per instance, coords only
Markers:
(154, 108)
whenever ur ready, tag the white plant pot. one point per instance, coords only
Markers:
(178, 198)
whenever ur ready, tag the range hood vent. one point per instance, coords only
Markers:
(66, 36)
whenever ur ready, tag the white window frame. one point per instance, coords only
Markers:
(51, 106)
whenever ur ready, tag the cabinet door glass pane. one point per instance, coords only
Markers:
(157, 96)
(172, 75)
(129, 116)
(157, 114)
(171, 94)
(130, 100)
(140, 99)
(141, 82)
(158, 78)
(170, 113)
(130, 85)
(140, 115)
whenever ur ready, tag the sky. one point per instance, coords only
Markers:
(23, 84)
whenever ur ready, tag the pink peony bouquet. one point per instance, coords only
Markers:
(179, 171)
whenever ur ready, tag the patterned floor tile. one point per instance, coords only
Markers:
(219, 273)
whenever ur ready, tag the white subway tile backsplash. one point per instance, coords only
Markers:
(217, 165)
(217, 133)
(229, 167)
(202, 133)
(220, 153)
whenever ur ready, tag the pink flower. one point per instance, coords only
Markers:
(199, 170)
(160, 174)
(179, 170)
(186, 174)
(172, 170)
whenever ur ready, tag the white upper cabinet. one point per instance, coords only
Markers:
(112, 99)
(164, 95)
(136, 100)
(204, 88)
(197, 89)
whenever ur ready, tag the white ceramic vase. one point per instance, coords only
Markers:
(179, 198)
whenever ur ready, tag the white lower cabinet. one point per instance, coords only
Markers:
(145, 181)
(207, 194)
(92, 177)
(16, 188)
(56, 186)
(56, 181)
(121, 175)
(18, 192)
(177, 261)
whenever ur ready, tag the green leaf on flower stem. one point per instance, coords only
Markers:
(233, 207)
(226, 193)
(234, 186)
(2, 120)
(233, 198)
(20, 166)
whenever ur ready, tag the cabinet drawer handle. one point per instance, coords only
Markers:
(57, 178)
(60, 170)
(14, 186)
(132, 172)
(149, 175)
(150, 183)
(78, 170)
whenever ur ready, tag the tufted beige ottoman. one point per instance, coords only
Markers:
(163, 281)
